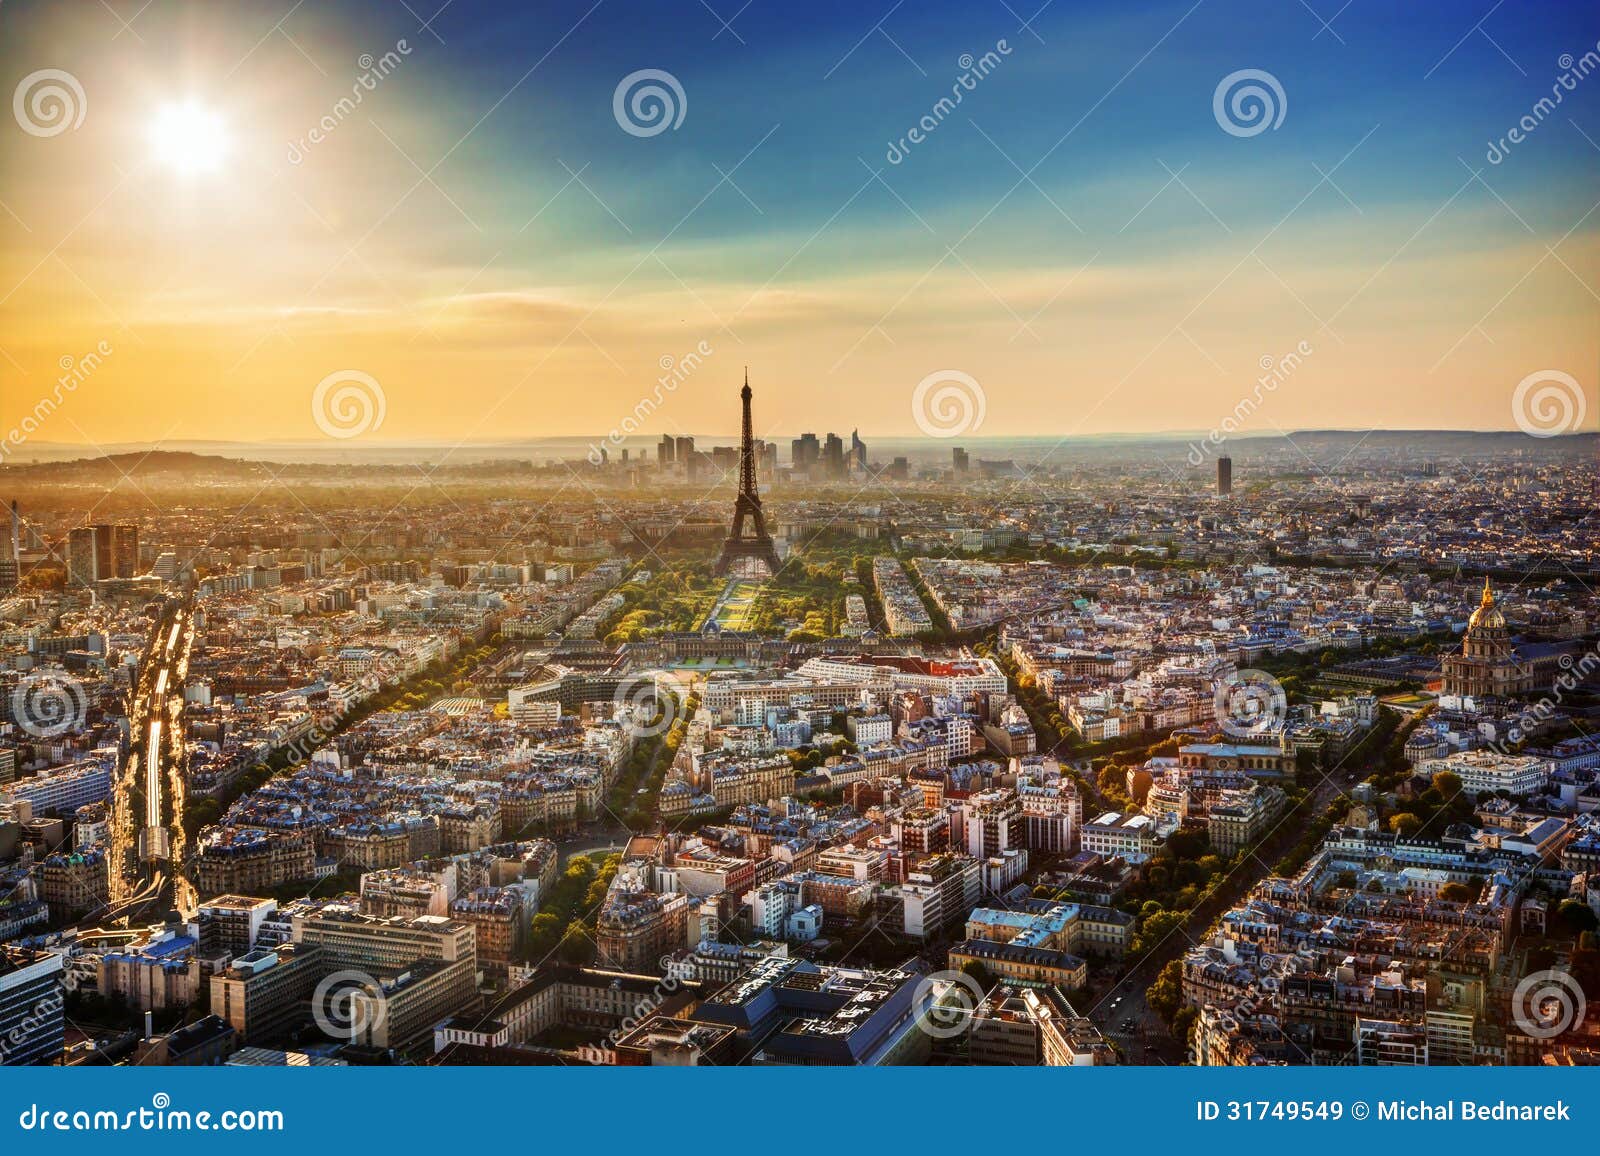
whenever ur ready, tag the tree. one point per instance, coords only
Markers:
(979, 973)
(1165, 995)
(1157, 928)
(1458, 893)
(577, 947)
(545, 933)
(1404, 824)
(1185, 844)
(1575, 917)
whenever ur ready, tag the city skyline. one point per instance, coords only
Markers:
(943, 534)
(517, 258)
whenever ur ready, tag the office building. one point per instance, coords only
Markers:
(263, 994)
(833, 463)
(804, 453)
(32, 1002)
(102, 551)
(424, 970)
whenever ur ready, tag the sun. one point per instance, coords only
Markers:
(189, 138)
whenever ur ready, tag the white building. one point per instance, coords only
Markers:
(1491, 771)
(1132, 836)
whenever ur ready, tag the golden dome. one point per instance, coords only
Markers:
(1487, 613)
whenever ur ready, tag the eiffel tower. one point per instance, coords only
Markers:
(756, 546)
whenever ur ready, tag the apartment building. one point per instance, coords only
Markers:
(939, 892)
(636, 928)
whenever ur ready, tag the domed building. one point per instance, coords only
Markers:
(1488, 665)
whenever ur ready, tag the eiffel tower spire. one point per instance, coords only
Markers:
(757, 544)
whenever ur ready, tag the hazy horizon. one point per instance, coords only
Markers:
(1036, 448)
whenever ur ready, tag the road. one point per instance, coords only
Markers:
(611, 839)
(147, 801)
(1149, 1041)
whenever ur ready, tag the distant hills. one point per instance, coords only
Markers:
(245, 460)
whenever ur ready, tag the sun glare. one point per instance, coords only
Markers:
(189, 138)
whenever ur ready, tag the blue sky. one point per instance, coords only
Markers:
(1080, 235)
